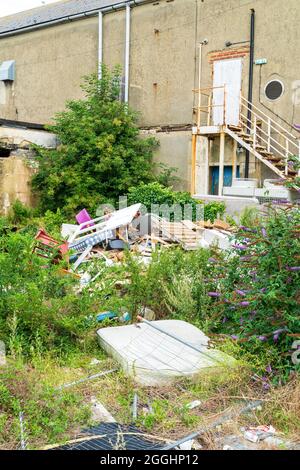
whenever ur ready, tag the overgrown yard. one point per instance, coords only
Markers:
(246, 300)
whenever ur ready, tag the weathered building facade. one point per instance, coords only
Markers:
(158, 45)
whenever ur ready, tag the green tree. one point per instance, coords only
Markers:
(100, 153)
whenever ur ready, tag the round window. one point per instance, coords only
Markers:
(274, 89)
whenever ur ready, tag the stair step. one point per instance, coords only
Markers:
(272, 158)
(260, 148)
(243, 135)
(234, 128)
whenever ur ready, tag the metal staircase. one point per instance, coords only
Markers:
(271, 143)
(268, 141)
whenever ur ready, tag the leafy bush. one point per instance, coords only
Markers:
(38, 305)
(167, 175)
(256, 290)
(100, 154)
(155, 193)
(20, 213)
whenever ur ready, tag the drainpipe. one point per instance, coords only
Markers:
(127, 51)
(250, 87)
(100, 44)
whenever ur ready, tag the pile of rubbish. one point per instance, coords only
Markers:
(107, 237)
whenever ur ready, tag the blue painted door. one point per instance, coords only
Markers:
(227, 180)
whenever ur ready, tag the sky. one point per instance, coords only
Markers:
(8, 7)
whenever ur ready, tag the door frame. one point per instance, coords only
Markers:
(228, 97)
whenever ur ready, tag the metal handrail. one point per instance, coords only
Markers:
(253, 106)
(296, 145)
(270, 137)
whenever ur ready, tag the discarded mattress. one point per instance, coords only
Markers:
(152, 358)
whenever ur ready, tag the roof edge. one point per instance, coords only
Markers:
(76, 16)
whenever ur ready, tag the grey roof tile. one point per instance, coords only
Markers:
(53, 11)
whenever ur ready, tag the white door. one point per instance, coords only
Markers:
(229, 73)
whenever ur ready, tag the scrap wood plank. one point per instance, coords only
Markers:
(177, 232)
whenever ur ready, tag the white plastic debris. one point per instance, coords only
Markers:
(85, 279)
(2, 354)
(251, 436)
(259, 433)
(188, 445)
(100, 413)
(193, 404)
(95, 362)
(213, 237)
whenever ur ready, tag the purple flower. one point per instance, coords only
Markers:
(263, 290)
(281, 330)
(293, 268)
(214, 294)
(212, 260)
(245, 303)
(245, 258)
(247, 229)
(225, 319)
(234, 337)
(262, 338)
(240, 292)
(277, 333)
(269, 369)
(264, 232)
(240, 247)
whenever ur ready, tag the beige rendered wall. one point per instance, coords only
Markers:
(175, 150)
(163, 63)
(15, 176)
(49, 66)
(277, 38)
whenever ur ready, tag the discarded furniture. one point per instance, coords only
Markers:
(82, 217)
(102, 228)
(49, 248)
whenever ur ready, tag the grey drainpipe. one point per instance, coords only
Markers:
(100, 44)
(66, 19)
(127, 51)
(250, 86)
